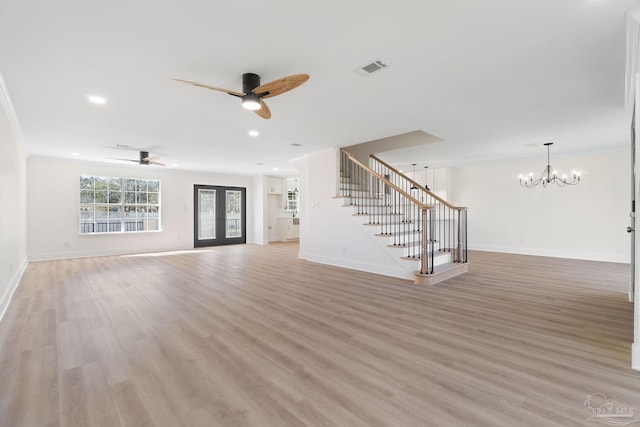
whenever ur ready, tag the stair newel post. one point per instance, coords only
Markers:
(432, 239)
(358, 185)
(397, 201)
(424, 259)
(449, 228)
(407, 223)
(376, 210)
(341, 173)
(419, 226)
(458, 252)
(464, 238)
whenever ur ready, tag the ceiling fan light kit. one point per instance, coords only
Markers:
(251, 102)
(253, 92)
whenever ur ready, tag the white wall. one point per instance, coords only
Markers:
(52, 218)
(259, 206)
(13, 203)
(586, 221)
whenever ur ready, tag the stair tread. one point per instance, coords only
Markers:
(399, 233)
(386, 224)
(413, 243)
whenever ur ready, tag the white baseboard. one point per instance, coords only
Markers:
(13, 285)
(88, 254)
(587, 256)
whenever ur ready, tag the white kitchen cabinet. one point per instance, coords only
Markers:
(275, 185)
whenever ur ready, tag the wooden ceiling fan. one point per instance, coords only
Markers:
(145, 159)
(253, 92)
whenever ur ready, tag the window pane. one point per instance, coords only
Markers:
(86, 183)
(130, 184)
(152, 199)
(129, 211)
(101, 183)
(154, 186)
(129, 197)
(233, 213)
(141, 185)
(153, 218)
(141, 198)
(101, 197)
(87, 196)
(115, 197)
(207, 214)
(114, 212)
(101, 220)
(86, 213)
(114, 184)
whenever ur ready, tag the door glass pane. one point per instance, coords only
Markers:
(233, 213)
(206, 214)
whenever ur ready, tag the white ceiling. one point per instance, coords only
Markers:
(493, 79)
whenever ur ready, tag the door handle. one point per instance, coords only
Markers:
(629, 229)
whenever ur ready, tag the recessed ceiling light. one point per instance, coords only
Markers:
(295, 144)
(259, 164)
(254, 133)
(96, 99)
(175, 165)
(275, 169)
(75, 154)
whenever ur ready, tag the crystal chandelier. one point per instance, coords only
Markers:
(549, 176)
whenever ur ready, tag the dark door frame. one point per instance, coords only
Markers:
(221, 219)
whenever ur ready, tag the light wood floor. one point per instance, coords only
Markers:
(251, 336)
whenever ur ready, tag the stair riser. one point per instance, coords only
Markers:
(356, 194)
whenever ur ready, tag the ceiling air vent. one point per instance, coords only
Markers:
(372, 67)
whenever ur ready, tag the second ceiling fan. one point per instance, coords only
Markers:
(253, 92)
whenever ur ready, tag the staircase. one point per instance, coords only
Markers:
(425, 230)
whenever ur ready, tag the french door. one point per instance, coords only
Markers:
(219, 215)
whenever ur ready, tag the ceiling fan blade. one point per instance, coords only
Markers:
(151, 158)
(280, 86)
(157, 163)
(264, 110)
(219, 89)
(127, 160)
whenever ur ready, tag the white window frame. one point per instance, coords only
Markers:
(110, 205)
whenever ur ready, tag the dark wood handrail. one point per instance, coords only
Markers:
(422, 205)
(417, 184)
